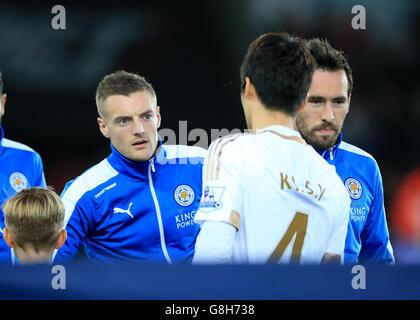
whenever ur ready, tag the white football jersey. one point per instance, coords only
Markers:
(286, 202)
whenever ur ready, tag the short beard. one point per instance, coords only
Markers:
(318, 142)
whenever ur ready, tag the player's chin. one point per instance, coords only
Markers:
(324, 136)
(326, 141)
(141, 155)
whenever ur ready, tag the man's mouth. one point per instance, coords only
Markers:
(325, 131)
(140, 144)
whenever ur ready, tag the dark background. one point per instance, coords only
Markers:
(191, 52)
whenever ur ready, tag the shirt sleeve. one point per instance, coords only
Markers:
(39, 172)
(222, 193)
(220, 205)
(78, 222)
(214, 243)
(376, 246)
(337, 239)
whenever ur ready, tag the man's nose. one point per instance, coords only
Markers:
(138, 128)
(328, 112)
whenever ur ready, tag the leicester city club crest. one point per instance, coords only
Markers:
(354, 188)
(18, 181)
(184, 195)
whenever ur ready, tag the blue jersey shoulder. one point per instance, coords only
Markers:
(368, 238)
(21, 167)
(364, 160)
(89, 181)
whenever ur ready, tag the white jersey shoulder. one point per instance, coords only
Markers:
(265, 150)
(16, 145)
(227, 152)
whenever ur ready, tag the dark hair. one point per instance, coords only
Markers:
(121, 83)
(330, 59)
(281, 68)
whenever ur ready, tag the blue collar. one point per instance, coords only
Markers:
(137, 170)
(329, 154)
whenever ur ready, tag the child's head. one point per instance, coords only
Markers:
(34, 220)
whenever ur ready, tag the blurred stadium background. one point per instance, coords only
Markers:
(191, 52)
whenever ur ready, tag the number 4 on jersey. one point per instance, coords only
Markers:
(298, 226)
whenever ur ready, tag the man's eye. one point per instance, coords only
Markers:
(339, 103)
(315, 101)
(148, 116)
(123, 121)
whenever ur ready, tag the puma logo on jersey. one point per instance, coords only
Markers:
(127, 211)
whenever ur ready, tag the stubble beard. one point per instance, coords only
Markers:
(316, 141)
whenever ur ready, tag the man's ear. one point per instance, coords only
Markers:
(8, 238)
(249, 92)
(3, 103)
(348, 104)
(103, 128)
(303, 104)
(158, 116)
(62, 237)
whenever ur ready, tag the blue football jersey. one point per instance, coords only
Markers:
(135, 211)
(367, 238)
(21, 167)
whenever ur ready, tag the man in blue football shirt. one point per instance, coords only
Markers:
(21, 167)
(139, 203)
(320, 122)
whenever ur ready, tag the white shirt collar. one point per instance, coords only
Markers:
(282, 129)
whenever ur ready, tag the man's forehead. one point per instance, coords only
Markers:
(139, 102)
(328, 83)
(134, 97)
(140, 99)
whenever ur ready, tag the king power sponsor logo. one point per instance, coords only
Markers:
(184, 218)
(358, 213)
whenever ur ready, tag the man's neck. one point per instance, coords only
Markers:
(262, 118)
(33, 257)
